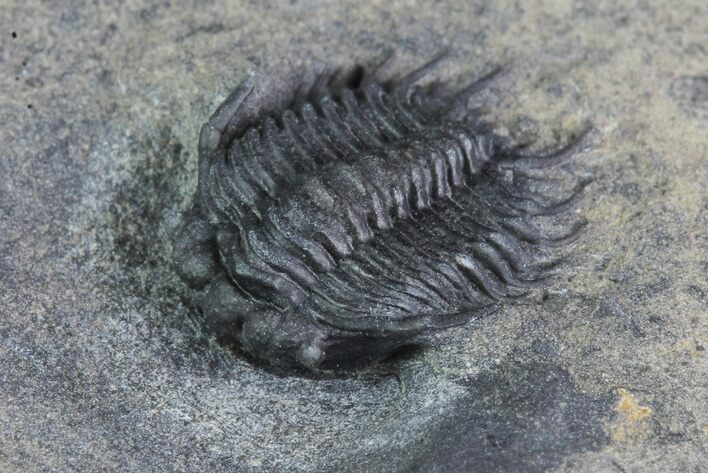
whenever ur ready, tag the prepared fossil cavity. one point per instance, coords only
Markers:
(362, 217)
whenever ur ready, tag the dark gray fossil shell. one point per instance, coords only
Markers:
(364, 216)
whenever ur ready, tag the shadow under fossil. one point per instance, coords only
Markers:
(524, 417)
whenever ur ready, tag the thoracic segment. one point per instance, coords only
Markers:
(338, 200)
(336, 174)
(334, 129)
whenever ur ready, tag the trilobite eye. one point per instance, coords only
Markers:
(367, 214)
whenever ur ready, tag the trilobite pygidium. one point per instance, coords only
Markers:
(363, 216)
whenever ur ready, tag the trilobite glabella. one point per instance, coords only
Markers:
(363, 216)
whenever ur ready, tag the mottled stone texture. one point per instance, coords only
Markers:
(103, 367)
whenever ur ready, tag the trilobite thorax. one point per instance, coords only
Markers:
(363, 216)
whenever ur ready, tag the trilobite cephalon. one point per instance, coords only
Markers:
(363, 216)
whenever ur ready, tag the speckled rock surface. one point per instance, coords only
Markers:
(103, 367)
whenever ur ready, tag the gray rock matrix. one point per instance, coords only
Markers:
(105, 367)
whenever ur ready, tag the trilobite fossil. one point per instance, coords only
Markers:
(363, 216)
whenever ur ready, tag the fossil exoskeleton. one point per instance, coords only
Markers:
(362, 217)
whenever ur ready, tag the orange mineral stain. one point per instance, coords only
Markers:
(630, 419)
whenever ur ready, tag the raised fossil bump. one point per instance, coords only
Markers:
(363, 216)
